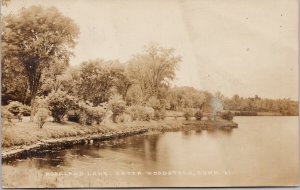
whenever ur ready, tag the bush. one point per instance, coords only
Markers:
(227, 116)
(140, 113)
(188, 113)
(154, 103)
(98, 114)
(6, 117)
(117, 105)
(15, 107)
(42, 114)
(88, 114)
(59, 103)
(124, 118)
(159, 114)
(198, 115)
(73, 115)
(26, 110)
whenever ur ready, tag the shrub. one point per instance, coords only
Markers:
(59, 103)
(154, 103)
(73, 115)
(6, 117)
(89, 114)
(227, 116)
(97, 114)
(159, 109)
(124, 118)
(188, 113)
(148, 114)
(18, 109)
(42, 114)
(198, 115)
(15, 107)
(159, 114)
(117, 105)
(26, 110)
(140, 113)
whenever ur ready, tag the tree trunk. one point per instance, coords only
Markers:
(32, 109)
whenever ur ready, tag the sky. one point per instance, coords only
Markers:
(244, 47)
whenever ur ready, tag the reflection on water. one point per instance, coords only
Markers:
(262, 151)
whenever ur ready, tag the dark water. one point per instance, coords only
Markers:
(262, 151)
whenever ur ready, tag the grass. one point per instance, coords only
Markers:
(28, 133)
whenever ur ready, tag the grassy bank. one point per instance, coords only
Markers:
(26, 135)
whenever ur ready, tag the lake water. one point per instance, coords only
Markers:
(262, 151)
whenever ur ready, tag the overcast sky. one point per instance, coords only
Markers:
(243, 47)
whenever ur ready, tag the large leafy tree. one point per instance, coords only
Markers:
(97, 80)
(153, 69)
(123, 82)
(13, 83)
(37, 38)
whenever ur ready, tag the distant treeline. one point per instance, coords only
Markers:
(252, 106)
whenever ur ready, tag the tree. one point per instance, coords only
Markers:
(153, 68)
(53, 79)
(59, 102)
(13, 82)
(97, 80)
(38, 37)
(123, 82)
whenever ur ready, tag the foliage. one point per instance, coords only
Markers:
(15, 107)
(54, 78)
(227, 116)
(187, 97)
(198, 115)
(245, 113)
(124, 118)
(42, 115)
(36, 38)
(40, 102)
(26, 110)
(6, 117)
(123, 82)
(153, 68)
(14, 85)
(188, 113)
(160, 114)
(140, 113)
(154, 103)
(117, 105)
(59, 103)
(134, 95)
(158, 106)
(98, 80)
(89, 114)
(257, 104)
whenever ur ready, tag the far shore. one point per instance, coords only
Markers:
(26, 138)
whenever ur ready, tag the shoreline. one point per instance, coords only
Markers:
(23, 150)
(44, 145)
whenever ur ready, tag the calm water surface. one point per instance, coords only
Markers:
(262, 151)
